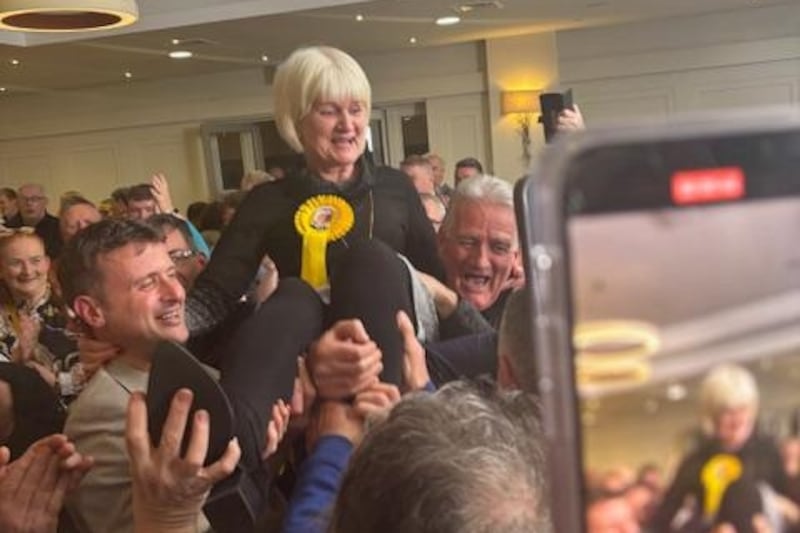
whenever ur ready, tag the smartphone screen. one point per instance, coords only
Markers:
(684, 267)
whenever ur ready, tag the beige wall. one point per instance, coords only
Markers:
(96, 139)
(527, 62)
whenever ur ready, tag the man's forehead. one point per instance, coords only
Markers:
(31, 190)
(175, 240)
(132, 259)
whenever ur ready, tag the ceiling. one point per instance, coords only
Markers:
(230, 34)
(717, 284)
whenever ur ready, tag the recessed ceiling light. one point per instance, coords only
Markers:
(14, 62)
(359, 17)
(3, 89)
(265, 58)
(448, 20)
(176, 41)
(180, 54)
(128, 74)
(413, 40)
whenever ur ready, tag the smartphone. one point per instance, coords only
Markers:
(654, 256)
(552, 103)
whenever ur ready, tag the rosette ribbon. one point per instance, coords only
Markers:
(319, 220)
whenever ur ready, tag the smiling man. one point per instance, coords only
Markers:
(479, 245)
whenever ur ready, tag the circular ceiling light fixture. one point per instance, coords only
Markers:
(616, 339)
(66, 15)
(180, 54)
(448, 20)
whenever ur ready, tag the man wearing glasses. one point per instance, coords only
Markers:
(33, 213)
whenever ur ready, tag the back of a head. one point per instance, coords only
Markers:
(515, 339)
(466, 459)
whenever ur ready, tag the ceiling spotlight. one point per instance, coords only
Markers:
(413, 40)
(359, 17)
(448, 21)
(3, 89)
(61, 16)
(14, 62)
(676, 392)
(265, 58)
(175, 42)
(180, 54)
(128, 74)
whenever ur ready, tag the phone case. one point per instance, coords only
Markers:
(540, 202)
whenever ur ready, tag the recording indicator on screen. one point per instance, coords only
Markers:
(707, 185)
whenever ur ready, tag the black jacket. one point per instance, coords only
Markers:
(760, 459)
(386, 207)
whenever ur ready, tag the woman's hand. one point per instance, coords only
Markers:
(32, 488)
(28, 338)
(344, 361)
(169, 489)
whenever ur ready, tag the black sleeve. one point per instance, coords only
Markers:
(421, 248)
(235, 259)
(685, 482)
(465, 320)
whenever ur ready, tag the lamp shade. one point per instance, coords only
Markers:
(519, 102)
(66, 15)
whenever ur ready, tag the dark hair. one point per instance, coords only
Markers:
(78, 272)
(166, 222)
(120, 194)
(72, 201)
(212, 217)
(11, 194)
(465, 459)
(195, 212)
(470, 162)
(140, 192)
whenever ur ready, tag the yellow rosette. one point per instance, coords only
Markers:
(320, 220)
(716, 475)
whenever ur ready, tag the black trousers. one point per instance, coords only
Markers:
(259, 364)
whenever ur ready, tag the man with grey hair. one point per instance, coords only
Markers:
(465, 459)
(479, 245)
(32, 202)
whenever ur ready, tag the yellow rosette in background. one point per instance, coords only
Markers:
(320, 220)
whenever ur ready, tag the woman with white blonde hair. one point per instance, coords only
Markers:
(338, 224)
(732, 450)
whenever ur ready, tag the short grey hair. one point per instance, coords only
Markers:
(515, 339)
(727, 386)
(308, 75)
(483, 188)
(466, 459)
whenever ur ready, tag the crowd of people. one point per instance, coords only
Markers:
(349, 313)
(273, 290)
